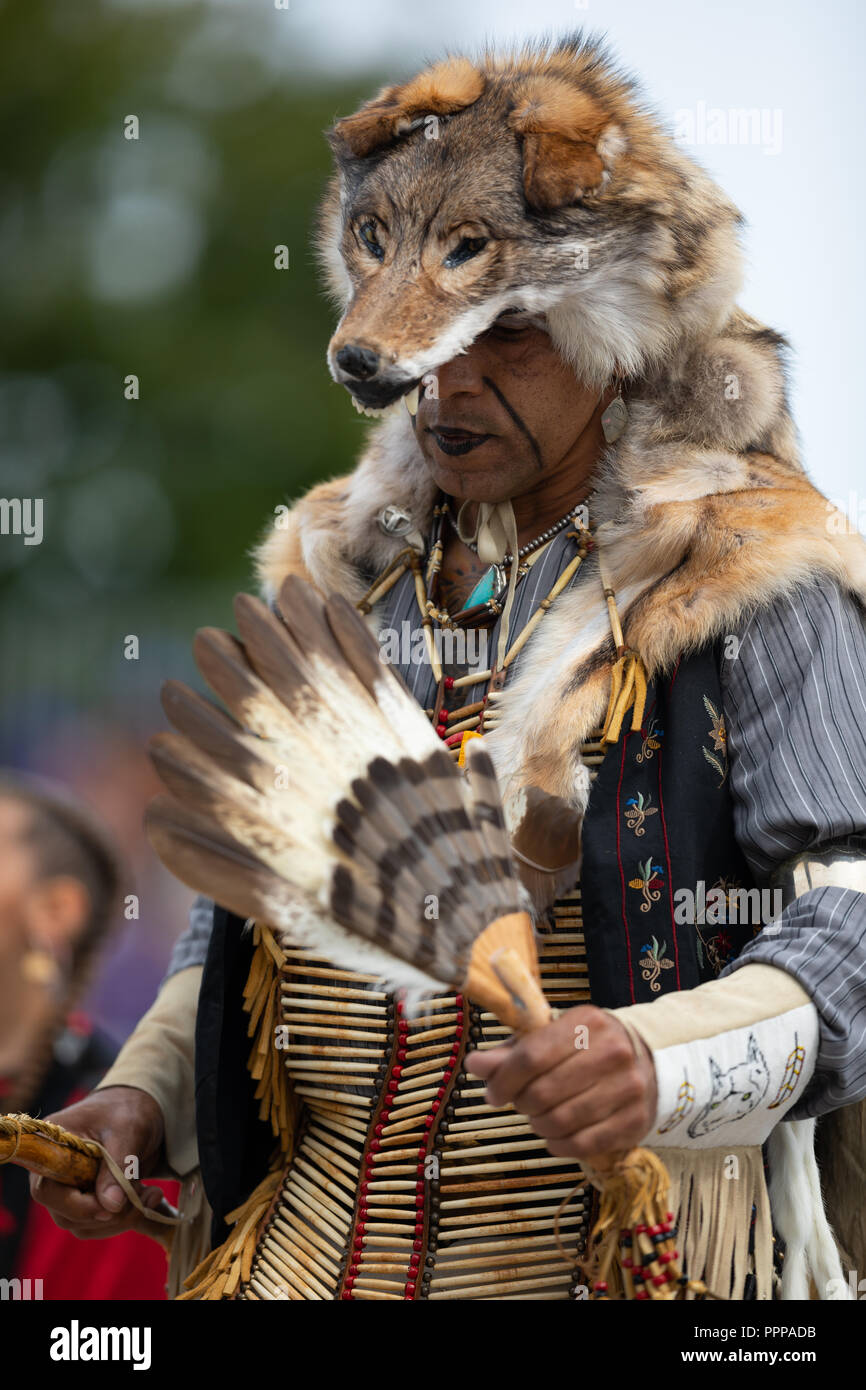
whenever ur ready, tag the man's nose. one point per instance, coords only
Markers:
(358, 362)
(462, 375)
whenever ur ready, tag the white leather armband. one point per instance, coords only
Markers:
(731, 1056)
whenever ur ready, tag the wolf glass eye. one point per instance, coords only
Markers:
(465, 249)
(367, 233)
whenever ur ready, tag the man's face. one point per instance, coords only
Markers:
(507, 413)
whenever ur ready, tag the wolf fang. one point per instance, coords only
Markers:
(746, 1081)
(92, 1344)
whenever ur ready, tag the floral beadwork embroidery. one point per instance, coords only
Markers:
(637, 808)
(653, 962)
(719, 735)
(651, 741)
(719, 946)
(650, 883)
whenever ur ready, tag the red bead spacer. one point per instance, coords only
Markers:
(349, 1283)
(375, 1146)
(628, 1262)
(410, 1288)
(414, 1259)
(458, 1031)
(399, 1006)
(419, 1227)
(419, 1187)
(397, 1071)
(378, 1129)
(447, 1076)
(659, 1279)
(346, 1294)
(664, 1258)
(669, 1216)
(640, 1230)
(428, 1123)
(642, 1295)
(459, 1001)
(419, 1201)
(403, 1025)
(600, 1287)
(417, 1245)
(353, 1270)
(364, 1186)
(654, 1231)
(401, 1055)
(393, 1086)
(360, 1231)
(422, 1152)
(435, 1106)
(449, 682)
(419, 1168)
(441, 1092)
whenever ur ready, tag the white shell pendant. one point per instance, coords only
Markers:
(614, 419)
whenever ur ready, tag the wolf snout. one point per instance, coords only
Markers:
(364, 374)
(359, 363)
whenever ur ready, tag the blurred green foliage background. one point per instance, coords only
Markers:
(152, 257)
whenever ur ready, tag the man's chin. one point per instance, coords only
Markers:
(481, 475)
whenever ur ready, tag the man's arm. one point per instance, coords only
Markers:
(795, 704)
(145, 1104)
(796, 719)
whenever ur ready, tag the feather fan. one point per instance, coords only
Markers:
(325, 805)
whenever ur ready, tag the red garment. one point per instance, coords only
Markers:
(124, 1267)
(128, 1266)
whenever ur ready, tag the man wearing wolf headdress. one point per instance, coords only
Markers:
(586, 504)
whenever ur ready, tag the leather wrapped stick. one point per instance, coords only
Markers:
(67, 1158)
(50, 1151)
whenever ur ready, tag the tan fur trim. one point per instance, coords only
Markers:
(448, 86)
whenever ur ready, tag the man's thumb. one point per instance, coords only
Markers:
(109, 1193)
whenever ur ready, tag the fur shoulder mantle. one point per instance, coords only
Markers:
(708, 513)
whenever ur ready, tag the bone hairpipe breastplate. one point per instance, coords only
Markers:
(404, 1184)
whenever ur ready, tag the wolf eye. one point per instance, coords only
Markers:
(745, 1095)
(465, 249)
(367, 233)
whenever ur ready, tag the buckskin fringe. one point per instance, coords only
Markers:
(712, 1194)
(277, 1104)
(227, 1267)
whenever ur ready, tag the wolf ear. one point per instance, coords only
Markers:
(448, 86)
(569, 144)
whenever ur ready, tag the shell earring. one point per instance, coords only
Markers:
(615, 417)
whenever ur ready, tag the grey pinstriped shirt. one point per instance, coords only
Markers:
(794, 701)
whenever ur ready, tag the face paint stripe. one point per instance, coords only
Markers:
(517, 420)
